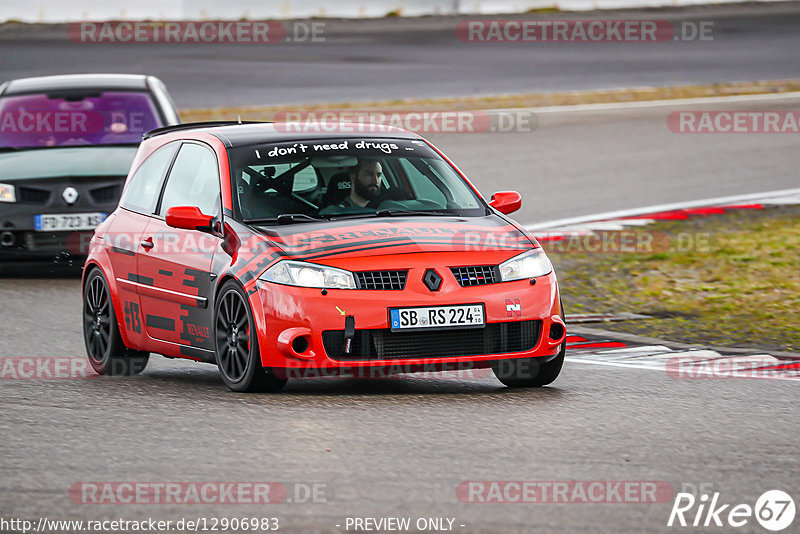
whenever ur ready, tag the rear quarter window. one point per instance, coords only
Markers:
(142, 190)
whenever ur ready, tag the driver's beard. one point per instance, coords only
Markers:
(364, 192)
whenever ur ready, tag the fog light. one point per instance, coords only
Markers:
(300, 344)
(556, 331)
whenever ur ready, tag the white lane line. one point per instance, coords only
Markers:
(573, 359)
(697, 373)
(774, 196)
(643, 104)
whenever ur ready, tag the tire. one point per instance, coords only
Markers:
(528, 372)
(107, 354)
(236, 344)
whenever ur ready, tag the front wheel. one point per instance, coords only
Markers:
(107, 354)
(528, 372)
(238, 357)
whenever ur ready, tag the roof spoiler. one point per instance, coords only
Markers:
(195, 125)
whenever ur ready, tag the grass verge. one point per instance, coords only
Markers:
(728, 280)
(640, 94)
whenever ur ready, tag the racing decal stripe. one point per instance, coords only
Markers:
(197, 353)
(316, 256)
(196, 278)
(123, 251)
(196, 332)
(164, 272)
(386, 233)
(517, 243)
(139, 279)
(256, 263)
(379, 223)
(162, 323)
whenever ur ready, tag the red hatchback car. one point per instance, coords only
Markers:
(276, 251)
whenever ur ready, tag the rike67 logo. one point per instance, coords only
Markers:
(774, 510)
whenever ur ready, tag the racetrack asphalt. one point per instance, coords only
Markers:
(395, 58)
(401, 446)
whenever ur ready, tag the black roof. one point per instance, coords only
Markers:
(76, 82)
(233, 133)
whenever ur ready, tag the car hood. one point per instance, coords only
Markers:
(397, 235)
(72, 161)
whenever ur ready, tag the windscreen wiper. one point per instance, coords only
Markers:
(395, 212)
(285, 218)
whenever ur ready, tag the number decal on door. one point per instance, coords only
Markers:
(132, 317)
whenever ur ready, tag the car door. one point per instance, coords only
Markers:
(127, 228)
(176, 307)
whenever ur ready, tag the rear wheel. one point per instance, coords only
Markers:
(238, 356)
(107, 354)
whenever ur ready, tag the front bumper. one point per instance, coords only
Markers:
(302, 328)
(20, 241)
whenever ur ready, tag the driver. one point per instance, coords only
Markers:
(366, 178)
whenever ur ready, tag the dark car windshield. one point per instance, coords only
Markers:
(345, 178)
(76, 118)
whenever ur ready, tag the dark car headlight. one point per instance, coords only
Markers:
(7, 193)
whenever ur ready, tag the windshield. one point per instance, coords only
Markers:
(76, 119)
(347, 178)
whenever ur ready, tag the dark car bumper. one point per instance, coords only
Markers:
(21, 242)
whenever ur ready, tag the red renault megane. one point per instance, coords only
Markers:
(279, 252)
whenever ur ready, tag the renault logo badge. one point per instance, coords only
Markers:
(70, 195)
(432, 280)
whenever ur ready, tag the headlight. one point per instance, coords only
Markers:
(526, 265)
(7, 193)
(300, 273)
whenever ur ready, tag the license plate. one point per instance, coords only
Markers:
(463, 315)
(68, 221)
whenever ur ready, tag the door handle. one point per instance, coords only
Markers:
(147, 243)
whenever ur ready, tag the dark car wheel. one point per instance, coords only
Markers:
(528, 372)
(238, 357)
(107, 354)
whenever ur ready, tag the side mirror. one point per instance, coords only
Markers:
(506, 201)
(189, 218)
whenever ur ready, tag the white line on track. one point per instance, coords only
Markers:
(699, 374)
(718, 201)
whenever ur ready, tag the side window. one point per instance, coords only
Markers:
(193, 180)
(305, 180)
(424, 189)
(144, 186)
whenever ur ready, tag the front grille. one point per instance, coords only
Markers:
(31, 195)
(383, 344)
(110, 193)
(476, 275)
(386, 280)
